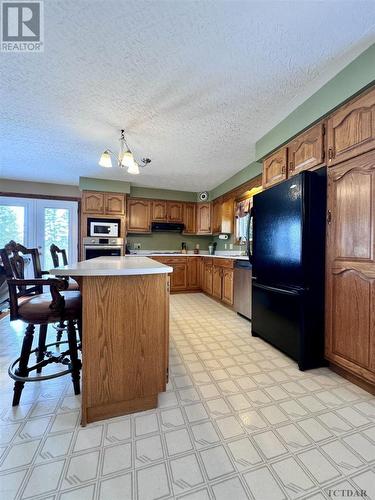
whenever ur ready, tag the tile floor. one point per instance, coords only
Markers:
(238, 421)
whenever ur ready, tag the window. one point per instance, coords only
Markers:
(243, 220)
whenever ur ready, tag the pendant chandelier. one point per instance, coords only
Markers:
(125, 158)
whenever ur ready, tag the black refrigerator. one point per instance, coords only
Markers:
(288, 257)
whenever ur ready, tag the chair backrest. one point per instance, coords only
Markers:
(55, 250)
(13, 260)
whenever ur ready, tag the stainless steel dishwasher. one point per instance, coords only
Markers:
(242, 288)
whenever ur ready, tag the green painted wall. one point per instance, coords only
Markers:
(353, 78)
(92, 184)
(162, 194)
(167, 241)
(237, 179)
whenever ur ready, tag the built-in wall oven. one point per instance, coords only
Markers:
(103, 227)
(102, 247)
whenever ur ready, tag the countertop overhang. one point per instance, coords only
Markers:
(113, 266)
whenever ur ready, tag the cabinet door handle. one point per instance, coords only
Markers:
(291, 166)
(283, 169)
(331, 154)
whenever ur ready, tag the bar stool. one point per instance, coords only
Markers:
(72, 284)
(29, 304)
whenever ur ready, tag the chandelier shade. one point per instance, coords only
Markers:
(125, 158)
(105, 159)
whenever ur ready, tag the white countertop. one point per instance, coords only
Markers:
(179, 254)
(113, 266)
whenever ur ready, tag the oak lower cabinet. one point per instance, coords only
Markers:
(351, 129)
(275, 168)
(179, 276)
(216, 281)
(208, 277)
(306, 151)
(139, 215)
(213, 276)
(227, 286)
(193, 273)
(350, 280)
(222, 280)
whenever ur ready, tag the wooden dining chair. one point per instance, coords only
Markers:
(72, 284)
(29, 304)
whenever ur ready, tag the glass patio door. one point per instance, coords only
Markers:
(37, 223)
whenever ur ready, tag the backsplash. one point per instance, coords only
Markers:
(168, 241)
(230, 241)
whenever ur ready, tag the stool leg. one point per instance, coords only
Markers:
(60, 332)
(22, 366)
(75, 362)
(41, 345)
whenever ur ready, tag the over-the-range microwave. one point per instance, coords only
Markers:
(103, 227)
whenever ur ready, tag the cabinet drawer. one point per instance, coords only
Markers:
(224, 263)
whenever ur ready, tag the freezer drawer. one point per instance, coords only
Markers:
(289, 320)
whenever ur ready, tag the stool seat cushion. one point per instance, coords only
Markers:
(36, 309)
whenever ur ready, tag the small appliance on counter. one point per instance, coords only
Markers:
(212, 248)
(183, 247)
(196, 249)
(103, 227)
(102, 247)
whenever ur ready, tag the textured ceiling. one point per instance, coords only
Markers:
(195, 84)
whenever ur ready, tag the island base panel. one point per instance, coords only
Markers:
(124, 344)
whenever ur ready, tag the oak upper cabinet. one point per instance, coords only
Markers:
(275, 168)
(227, 286)
(227, 216)
(114, 203)
(351, 129)
(192, 273)
(350, 280)
(175, 211)
(139, 215)
(92, 202)
(306, 151)
(159, 210)
(189, 218)
(216, 215)
(216, 281)
(204, 218)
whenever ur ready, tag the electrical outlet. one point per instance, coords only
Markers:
(225, 246)
(137, 246)
(231, 246)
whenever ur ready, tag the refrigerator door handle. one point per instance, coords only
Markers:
(275, 289)
(249, 251)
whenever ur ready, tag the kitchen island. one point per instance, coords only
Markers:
(125, 333)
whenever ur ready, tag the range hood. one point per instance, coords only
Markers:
(167, 227)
